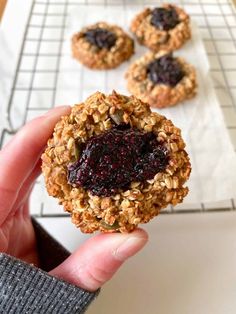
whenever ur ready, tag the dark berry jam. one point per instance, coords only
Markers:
(101, 38)
(164, 19)
(117, 157)
(165, 70)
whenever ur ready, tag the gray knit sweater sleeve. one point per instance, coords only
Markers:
(28, 289)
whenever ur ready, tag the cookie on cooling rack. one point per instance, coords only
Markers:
(161, 80)
(166, 27)
(113, 163)
(102, 46)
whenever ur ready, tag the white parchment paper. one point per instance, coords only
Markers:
(213, 160)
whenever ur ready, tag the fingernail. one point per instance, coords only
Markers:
(129, 247)
(56, 110)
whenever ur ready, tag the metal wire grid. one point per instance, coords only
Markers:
(216, 18)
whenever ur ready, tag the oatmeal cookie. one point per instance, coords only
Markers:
(102, 46)
(161, 80)
(163, 28)
(114, 164)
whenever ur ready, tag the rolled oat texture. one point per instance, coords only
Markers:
(142, 201)
(95, 58)
(160, 95)
(158, 39)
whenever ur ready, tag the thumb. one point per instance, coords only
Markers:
(97, 260)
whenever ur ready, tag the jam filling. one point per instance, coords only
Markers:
(101, 38)
(165, 70)
(117, 157)
(164, 19)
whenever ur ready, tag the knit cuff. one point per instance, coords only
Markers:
(27, 289)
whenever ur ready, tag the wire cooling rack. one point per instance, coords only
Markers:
(42, 56)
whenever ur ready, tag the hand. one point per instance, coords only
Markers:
(97, 259)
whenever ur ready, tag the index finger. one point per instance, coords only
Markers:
(19, 157)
